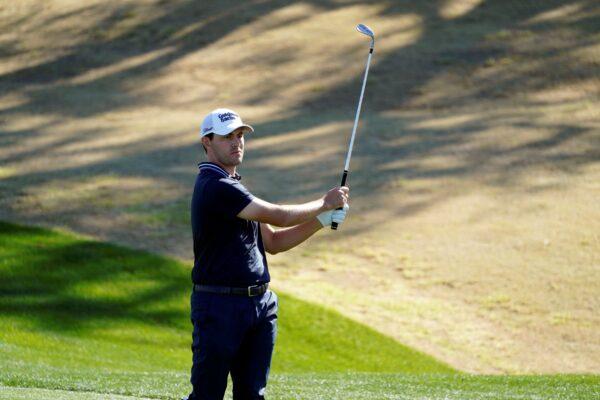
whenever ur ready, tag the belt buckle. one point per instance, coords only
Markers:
(257, 287)
(250, 291)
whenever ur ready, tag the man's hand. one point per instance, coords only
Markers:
(337, 216)
(336, 198)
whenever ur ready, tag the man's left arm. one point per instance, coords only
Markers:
(276, 241)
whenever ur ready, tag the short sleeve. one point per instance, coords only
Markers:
(229, 197)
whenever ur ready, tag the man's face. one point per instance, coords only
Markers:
(228, 150)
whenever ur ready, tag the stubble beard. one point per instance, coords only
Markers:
(230, 160)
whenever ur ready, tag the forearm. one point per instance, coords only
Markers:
(287, 238)
(293, 215)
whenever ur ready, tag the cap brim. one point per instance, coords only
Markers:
(227, 129)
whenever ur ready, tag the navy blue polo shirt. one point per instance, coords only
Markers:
(228, 251)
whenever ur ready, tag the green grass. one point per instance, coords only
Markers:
(350, 386)
(88, 320)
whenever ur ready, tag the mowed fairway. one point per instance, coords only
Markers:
(355, 386)
(87, 320)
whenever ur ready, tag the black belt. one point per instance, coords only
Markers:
(249, 291)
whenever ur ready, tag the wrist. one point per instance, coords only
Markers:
(324, 218)
(318, 224)
(323, 205)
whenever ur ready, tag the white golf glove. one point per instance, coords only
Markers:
(337, 216)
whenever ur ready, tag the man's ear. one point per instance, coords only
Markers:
(206, 141)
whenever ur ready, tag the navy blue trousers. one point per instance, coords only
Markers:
(232, 335)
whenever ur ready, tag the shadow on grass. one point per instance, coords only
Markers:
(490, 36)
(61, 284)
(445, 44)
(465, 43)
(68, 286)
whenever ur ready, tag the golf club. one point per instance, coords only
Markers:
(365, 30)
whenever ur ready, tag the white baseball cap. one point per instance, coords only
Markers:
(222, 121)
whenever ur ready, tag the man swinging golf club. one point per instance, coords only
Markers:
(233, 312)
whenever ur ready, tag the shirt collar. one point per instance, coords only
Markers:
(209, 166)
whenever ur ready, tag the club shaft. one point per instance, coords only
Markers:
(334, 225)
(362, 93)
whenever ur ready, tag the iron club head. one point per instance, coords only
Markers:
(365, 30)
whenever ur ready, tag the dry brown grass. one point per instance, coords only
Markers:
(474, 229)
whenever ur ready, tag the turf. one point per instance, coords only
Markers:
(88, 320)
(83, 315)
(351, 386)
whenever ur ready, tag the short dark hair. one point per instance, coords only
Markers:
(210, 136)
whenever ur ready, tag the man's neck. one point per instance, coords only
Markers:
(229, 169)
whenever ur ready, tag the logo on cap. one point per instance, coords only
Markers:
(227, 116)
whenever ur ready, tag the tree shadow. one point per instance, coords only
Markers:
(446, 50)
(56, 283)
(50, 92)
(71, 285)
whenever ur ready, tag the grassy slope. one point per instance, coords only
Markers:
(474, 228)
(82, 314)
(82, 317)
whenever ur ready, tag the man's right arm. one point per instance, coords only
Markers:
(290, 215)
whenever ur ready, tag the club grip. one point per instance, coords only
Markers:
(334, 225)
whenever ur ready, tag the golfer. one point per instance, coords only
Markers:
(233, 312)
